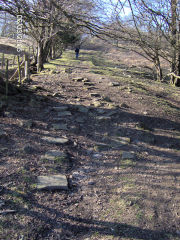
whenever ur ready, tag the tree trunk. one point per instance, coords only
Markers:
(159, 75)
(39, 57)
(174, 64)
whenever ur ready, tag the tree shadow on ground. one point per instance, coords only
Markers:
(91, 130)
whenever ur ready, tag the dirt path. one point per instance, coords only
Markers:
(123, 155)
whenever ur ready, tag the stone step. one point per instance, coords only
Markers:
(55, 140)
(52, 182)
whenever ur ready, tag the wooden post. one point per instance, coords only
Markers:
(26, 67)
(19, 70)
(7, 79)
(14, 60)
(2, 62)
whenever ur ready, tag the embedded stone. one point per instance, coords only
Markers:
(60, 108)
(64, 114)
(59, 126)
(54, 155)
(101, 147)
(56, 140)
(52, 182)
(82, 109)
(127, 155)
(124, 105)
(103, 118)
(94, 95)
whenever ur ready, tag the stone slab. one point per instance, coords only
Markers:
(56, 140)
(52, 182)
(60, 108)
(127, 155)
(64, 114)
(59, 126)
(54, 155)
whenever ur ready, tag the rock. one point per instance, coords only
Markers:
(124, 105)
(143, 126)
(111, 113)
(114, 84)
(59, 126)
(97, 104)
(85, 80)
(8, 114)
(56, 94)
(127, 155)
(106, 99)
(120, 141)
(53, 71)
(129, 90)
(97, 155)
(54, 155)
(27, 124)
(64, 114)
(101, 147)
(82, 109)
(52, 182)
(60, 108)
(60, 119)
(2, 134)
(95, 95)
(103, 118)
(148, 138)
(111, 106)
(80, 119)
(35, 87)
(3, 149)
(55, 140)
(79, 175)
(88, 84)
(100, 110)
(145, 113)
(91, 183)
(2, 203)
(7, 211)
(28, 149)
(78, 79)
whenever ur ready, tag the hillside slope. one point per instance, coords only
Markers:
(121, 157)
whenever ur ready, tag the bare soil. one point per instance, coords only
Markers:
(109, 197)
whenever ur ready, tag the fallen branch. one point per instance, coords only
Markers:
(174, 75)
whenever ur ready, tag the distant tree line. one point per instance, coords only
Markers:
(52, 24)
(151, 29)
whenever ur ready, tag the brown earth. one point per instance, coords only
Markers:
(109, 197)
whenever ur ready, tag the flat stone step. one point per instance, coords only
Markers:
(103, 118)
(56, 140)
(64, 114)
(101, 147)
(82, 109)
(54, 155)
(128, 155)
(59, 126)
(52, 182)
(60, 108)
